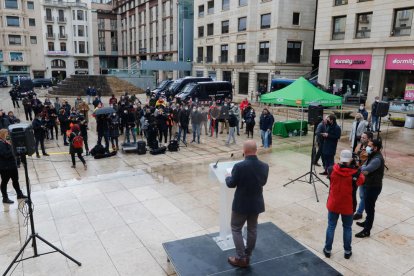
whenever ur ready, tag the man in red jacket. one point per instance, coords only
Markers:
(344, 179)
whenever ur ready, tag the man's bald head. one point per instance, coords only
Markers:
(249, 148)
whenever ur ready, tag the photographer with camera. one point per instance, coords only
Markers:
(8, 168)
(344, 177)
(362, 156)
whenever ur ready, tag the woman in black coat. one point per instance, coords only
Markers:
(8, 168)
(114, 131)
(72, 150)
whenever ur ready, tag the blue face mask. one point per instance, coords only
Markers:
(368, 150)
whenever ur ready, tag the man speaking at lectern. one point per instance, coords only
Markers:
(248, 177)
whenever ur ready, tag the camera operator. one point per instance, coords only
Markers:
(344, 177)
(373, 170)
(8, 168)
(39, 128)
(362, 157)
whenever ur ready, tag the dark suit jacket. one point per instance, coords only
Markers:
(330, 142)
(248, 177)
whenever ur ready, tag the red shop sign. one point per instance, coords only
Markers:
(350, 61)
(400, 62)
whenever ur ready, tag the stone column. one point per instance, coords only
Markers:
(323, 73)
(376, 76)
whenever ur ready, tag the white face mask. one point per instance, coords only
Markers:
(361, 108)
(125, 111)
(368, 150)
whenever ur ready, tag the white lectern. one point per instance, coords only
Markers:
(225, 239)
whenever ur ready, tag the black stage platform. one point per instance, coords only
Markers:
(276, 253)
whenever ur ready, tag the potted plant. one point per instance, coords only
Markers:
(397, 121)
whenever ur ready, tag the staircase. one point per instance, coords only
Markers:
(77, 84)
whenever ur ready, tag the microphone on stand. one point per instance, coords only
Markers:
(215, 165)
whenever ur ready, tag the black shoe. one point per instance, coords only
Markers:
(45, 154)
(317, 164)
(323, 173)
(8, 201)
(66, 144)
(362, 234)
(347, 255)
(238, 134)
(37, 155)
(357, 216)
(21, 196)
(361, 224)
(326, 253)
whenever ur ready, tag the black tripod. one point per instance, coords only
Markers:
(312, 176)
(33, 235)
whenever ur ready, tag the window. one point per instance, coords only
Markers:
(364, 0)
(340, 2)
(16, 56)
(200, 53)
(101, 40)
(209, 58)
(11, 4)
(13, 21)
(33, 40)
(296, 19)
(81, 30)
(201, 11)
(113, 24)
(58, 63)
(82, 49)
(63, 46)
(338, 31)
(61, 16)
(32, 22)
(49, 30)
(210, 7)
(114, 41)
(224, 52)
(241, 52)
(51, 46)
(294, 50)
(15, 40)
(363, 29)
(264, 51)
(225, 27)
(75, 46)
(49, 15)
(30, 5)
(210, 29)
(242, 2)
(242, 24)
(79, 15)
(265, 21)
(403, 20)
(225, 5)
(201, 31)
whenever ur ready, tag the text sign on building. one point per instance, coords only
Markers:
(400, 62)
(350, 61)
(409, 92)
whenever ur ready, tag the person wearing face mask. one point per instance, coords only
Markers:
(130, 126)
(373, 170)
(266, 126)
(236, 111)
(359, 126)
(196, 124)
(183, 121)
(114, 131)
(343, 177)
(39, 128)
(374, 118)
(331, 138)
(321, 128)
(204, 119)
(214, 113)
(363, 111)
(162, 125)
(366, 137)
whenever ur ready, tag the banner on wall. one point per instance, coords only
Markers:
(409, 92)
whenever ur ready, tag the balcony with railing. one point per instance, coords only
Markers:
(61, 20)
(63, 36)
(240, 58)
(50, 36)
(263, 58)
(49, 19)
(224, 58)
(60, 3)
(208, 59)
(199, 59)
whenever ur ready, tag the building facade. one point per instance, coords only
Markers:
(367, 48)
(67, 38)
(250, 42)
(21, 39)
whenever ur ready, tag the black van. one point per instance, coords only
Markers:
(206, 91)
(179, 84)
(162, 87)
(3, 82)
(42, 82)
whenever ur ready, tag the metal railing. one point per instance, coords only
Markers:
(61, 19)
(50, 36)
(224, 59)
(263, 58)
(208, 59)
(49, 19)
(63, 36)
(199, 59)
(240, 58)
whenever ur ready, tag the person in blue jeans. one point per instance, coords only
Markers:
(341, 201)
(266, 126)
(374, 118)
(330, 142)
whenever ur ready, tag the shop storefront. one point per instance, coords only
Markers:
(349, 76)
(399, 82)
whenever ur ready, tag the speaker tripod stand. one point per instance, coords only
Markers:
(33, 236)
(313, 178)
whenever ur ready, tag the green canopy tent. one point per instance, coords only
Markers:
(301, 94)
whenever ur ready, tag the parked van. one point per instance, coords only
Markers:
(162, 87)
(179, 84)
(206, 91)
(42, 82)
(3, 82)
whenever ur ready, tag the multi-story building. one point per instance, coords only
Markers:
(67, 36)
(250, 42)
(367, 48)
(21, 43)
(150, 31)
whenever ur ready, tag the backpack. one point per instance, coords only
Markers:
(173, 145)
(77, 142)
